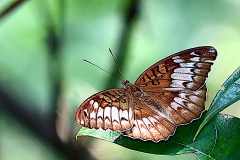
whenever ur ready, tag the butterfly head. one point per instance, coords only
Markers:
(125, 83)
(131, 88)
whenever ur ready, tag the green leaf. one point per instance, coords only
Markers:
(101, 134)
(218, 140)
(227, 95)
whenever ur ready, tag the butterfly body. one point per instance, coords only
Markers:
(169, 93)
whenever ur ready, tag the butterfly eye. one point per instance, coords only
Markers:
(125, 82)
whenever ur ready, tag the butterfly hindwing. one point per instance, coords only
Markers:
(182, 106)
(110, 109)
(149, 125)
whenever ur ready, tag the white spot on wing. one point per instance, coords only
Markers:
(153, 120)
(177, 83)
(146, 121)
(194, 54)
(107, 112)
(115, 115)
(178, 60)
(95, 105)
(92, 115)
(181, 76)
(130, 113)
(196, 59)
(175, 57)
(123, 114)
(166, 116)
(82, 122)
(191, 64)
(100, 112)
(135, 132)
(81, 119)
(183, 70)
(91, 102)
(178, 100)
(143, 129)
(175, 106)
(173, 89)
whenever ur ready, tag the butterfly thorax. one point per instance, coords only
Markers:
(132, 89)
(141, 97)
(137, 92)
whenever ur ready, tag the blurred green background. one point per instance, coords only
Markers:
(85, 30)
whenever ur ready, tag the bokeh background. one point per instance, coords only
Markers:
(43, 78)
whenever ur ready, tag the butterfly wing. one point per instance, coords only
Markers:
(109, 109)
(174, 91)
(148, 125)
(156, 120)
(177, 83)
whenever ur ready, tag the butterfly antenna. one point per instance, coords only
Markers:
(91, 63)
(116, 62)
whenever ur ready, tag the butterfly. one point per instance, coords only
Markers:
(169, 93)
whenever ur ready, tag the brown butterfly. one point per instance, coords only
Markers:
(169, 93)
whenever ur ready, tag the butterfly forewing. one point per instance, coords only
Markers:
(187, 69)
(110, 109)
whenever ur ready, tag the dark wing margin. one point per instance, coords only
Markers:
(109, 109)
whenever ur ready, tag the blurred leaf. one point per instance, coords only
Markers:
(218, 140)
(11, 7)
(227, 95)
